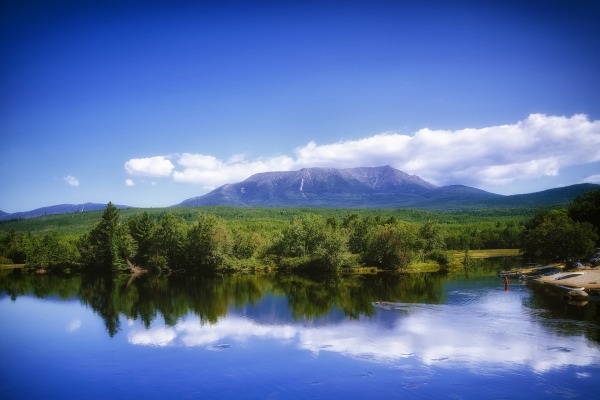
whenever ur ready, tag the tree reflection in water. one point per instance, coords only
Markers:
(211, 296)
(307, 297)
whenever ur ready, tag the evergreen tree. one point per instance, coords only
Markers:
(108, 245)
(168, 244)
(142, 230)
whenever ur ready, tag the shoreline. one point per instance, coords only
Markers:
(588, 280)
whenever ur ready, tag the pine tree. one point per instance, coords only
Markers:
(142, 230)
(108, 245)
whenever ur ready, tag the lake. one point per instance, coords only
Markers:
(281, 336)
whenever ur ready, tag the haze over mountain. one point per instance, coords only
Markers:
(382, 187)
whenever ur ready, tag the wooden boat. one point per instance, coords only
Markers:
(529, 272)
(508, 274)
(568, 275)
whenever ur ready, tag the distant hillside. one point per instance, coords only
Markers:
(370, 187)
(57, 209)
(455, 196)
(550, 197)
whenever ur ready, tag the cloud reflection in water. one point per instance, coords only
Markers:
(488, 333)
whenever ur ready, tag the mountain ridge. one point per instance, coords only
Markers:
(56, 209)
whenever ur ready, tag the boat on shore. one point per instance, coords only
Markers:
(531, 272)
(587, 280)
(567, 275)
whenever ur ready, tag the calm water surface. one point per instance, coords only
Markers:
(281, 337)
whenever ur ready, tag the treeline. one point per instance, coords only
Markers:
(564, 234)
(167, 242)
(38, 251)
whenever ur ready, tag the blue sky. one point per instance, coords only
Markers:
(148, 103)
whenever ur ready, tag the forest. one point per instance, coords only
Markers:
(196, 240)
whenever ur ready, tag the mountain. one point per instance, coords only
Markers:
(57, 209)
(368, 187)
(372, 187)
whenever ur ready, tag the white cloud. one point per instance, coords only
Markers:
(129, 182)
(74, 325)
(150, 166)
(538, 146)
(155, 337)
(210, 172)
(592, 179)
(71, 180)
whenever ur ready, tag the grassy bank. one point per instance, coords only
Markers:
(11, 266)
(458, 256)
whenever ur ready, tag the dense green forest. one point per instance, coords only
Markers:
(211, 238)
(79, 223)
